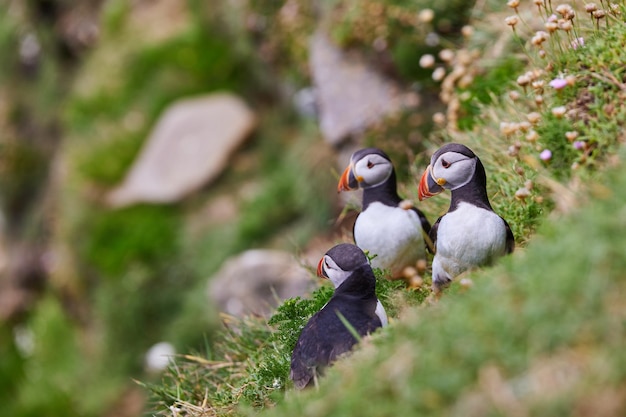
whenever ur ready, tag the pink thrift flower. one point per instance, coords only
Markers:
(545, 155)
(558, 83)
(578, 42)
(579, 145)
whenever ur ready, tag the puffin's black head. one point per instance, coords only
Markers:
(368, 167)
(340, 261)
(451, 166)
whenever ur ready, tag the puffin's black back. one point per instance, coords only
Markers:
(325, 337)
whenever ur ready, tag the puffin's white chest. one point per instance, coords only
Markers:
(393, 234)
(468, 237)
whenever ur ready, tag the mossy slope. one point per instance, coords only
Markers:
(542, 334)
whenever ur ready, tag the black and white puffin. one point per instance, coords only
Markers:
(470, 234)
(385, 227)
(325, 336)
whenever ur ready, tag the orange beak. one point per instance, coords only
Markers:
(320, 269)
(348, 181)
(428, 187)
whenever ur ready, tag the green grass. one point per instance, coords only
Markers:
(493, 83)
(249, 365)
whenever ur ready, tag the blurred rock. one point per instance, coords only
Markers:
(189, 147)
(79, 26)
(30, 52)
(24, 340)
(351, 96)
(22, 278)
(255, 281)
(14, 302)
(156, 21)
(305, 102)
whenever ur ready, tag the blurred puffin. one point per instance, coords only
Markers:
(395, 233)
(325, 336)
(470, 234)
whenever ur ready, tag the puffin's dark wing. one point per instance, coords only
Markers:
(433, 232)
(510, 239)
(301, 374)
(322, 340)
(308, 354)
(423, 220)
(354, 228)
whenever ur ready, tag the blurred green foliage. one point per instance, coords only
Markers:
(115, 240)
(407, 29)
(197, 60)
(110, 170)
(11, 368)
(280, 31)
(264, 217)
(23, 168)
(494, 82)
(52, 371)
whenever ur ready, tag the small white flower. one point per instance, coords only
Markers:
(426, 16)
(559, 112)
(533, 117)
(446, 55)
(511, 21)
(427, 61)
(439, 73)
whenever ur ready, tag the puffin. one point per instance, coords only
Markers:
(470, 234)
(388, 227)
(325, 336)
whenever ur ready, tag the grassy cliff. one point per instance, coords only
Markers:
(541, 333)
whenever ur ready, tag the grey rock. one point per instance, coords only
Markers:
(189, 147)
(255, 281)
(351, 95)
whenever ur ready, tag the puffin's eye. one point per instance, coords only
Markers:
(445, 164)
(369, 164)
(326, 264)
